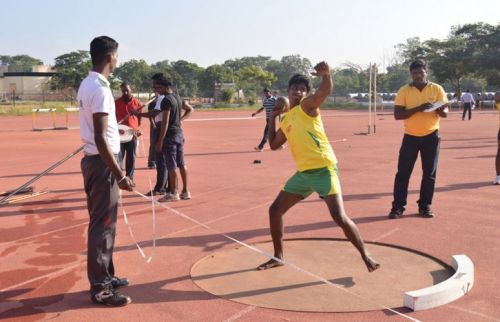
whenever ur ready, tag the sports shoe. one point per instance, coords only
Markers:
(185, 195)
(258, 149)
(117, 282)
(170, 197)
(110, 297)
(497, 180)
(154, 193)
(396, 212)
(425, 212)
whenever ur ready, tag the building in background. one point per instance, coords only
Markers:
(25, 85)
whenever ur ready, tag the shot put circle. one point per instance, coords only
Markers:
(231, 274)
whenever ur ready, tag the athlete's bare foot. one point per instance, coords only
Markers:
(270, 264)
(370, 263)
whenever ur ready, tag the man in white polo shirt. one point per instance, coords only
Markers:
(468, 103)
(101, 174)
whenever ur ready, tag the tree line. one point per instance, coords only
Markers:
(467, 58)
(249, 74)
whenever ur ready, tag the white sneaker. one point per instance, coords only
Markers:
(497, 180)
(169, 197)
(185, 195)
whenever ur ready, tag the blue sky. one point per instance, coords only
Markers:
(210, 32)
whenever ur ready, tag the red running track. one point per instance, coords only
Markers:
(42, 240)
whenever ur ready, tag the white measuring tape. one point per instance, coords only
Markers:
(292, 265)
(144, 155)
(148, 259)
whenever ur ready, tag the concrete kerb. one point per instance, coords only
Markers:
(445, 292)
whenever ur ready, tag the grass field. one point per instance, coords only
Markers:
(25, 107)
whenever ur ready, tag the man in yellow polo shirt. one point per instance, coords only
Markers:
(415, 104)
(317, 171)
(497, 160)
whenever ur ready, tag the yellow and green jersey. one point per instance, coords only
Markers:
(307, 140)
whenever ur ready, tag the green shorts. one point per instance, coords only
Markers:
(324, 181)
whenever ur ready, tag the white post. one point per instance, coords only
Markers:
(374, 97)
(370, 100)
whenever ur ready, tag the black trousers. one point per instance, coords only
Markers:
(428, 146)
(467, 107)
(265, 135)
(161, 164)
(128, 150)
(152, 143)
(102, 192)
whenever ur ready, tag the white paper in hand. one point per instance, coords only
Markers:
(435, 106)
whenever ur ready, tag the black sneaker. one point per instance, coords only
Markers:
(396, 212)
(117, 282)
(425, 212)
(110, 297)
(154, 193)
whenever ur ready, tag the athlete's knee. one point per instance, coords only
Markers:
(275, 210)
(340, 217)
(339, 220)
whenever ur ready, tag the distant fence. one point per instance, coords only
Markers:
(48, 96)
(385, 100)
(69, 96)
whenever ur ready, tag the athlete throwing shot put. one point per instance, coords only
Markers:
(316, 163)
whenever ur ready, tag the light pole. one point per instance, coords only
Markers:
(13, 88)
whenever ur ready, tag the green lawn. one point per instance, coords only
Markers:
(25, 107)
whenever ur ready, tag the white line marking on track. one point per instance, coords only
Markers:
(239, 314)
(55, 273)
(458, 308)
(223, 119)
(216, 219)
(221, 189)
(46, 233)
(386, 234)
(133, 212)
